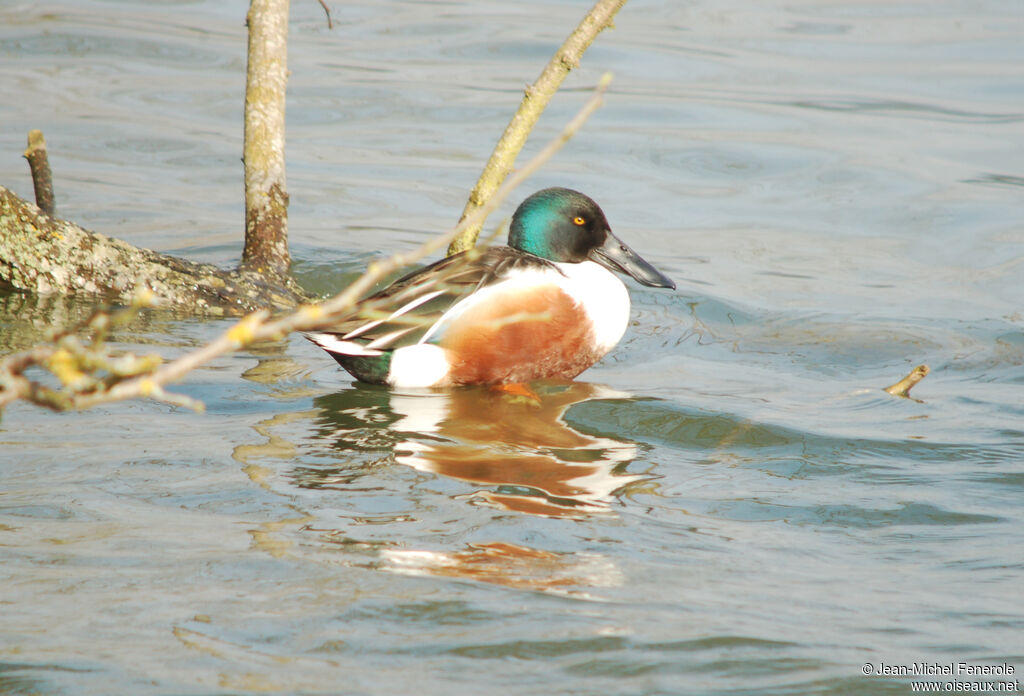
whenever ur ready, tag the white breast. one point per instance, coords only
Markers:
(604, 298)
(597, 290)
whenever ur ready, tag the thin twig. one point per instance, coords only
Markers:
(327, 11)
(532, 106)
(257, 326)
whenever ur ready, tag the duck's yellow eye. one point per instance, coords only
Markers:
(578, 220)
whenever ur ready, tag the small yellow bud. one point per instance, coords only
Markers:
(65, 367)
(144, 297)
(243, 332)
(312, 312)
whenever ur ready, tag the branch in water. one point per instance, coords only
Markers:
(266, 197)
(47, 256)
(42, 177)
(903, 387)
(42, 254)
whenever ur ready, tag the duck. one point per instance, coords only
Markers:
(548, 305)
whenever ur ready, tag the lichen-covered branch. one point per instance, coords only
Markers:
(91, 374)
(534, 102)
(266, 197)
(45, 255)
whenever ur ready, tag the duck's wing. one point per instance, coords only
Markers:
(402, 313)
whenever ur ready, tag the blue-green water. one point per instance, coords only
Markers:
(727, 504)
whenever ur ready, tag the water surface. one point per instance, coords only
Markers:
(728, 503)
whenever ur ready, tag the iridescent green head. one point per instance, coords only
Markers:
(559, 224)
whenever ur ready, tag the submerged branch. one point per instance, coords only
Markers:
(903, 387)
(86, 372)
(532, 106)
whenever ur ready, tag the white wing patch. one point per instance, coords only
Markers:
(408, 307)
(419, 365)
(388, 339)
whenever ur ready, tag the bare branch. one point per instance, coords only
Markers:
(534, 102)
(327, 11)
(266, 197)
(42, 177)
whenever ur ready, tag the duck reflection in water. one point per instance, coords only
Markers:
(519, 448)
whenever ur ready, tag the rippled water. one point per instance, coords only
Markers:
(727, 504)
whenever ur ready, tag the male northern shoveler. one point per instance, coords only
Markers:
(545, 306)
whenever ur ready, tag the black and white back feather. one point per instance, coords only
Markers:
(386, 320)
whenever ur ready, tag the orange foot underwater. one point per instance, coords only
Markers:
(518, 390)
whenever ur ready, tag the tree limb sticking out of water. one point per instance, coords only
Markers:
(91, 374)
(43, 254)
(535, 100)
(903, 387)
(42, 177)
(266, 197)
